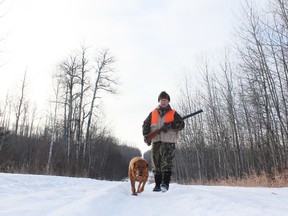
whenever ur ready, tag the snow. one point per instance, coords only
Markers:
(52, 195)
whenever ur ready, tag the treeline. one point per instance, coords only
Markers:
(30, 154)
(72, 140)
(244, 127)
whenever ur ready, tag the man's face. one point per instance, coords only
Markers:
(163, 102)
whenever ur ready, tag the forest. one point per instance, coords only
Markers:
(242, 132)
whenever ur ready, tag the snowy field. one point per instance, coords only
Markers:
(50, 195)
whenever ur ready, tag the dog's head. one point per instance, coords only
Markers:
(140, 168)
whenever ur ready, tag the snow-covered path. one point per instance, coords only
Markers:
(51, 195)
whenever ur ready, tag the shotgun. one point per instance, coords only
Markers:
(151, 135)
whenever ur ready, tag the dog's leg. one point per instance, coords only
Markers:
(133, 187)
(141, 189)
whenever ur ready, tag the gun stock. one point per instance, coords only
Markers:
(153, 134)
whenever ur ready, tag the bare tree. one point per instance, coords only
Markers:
(19, 106)
(53, 125)
(70, 80)
(82, 91)
(106, 81)
(264, 63)
(80, 118)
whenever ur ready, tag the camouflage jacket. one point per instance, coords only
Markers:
(177, 125)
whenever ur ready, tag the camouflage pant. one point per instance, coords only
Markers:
(162, 157)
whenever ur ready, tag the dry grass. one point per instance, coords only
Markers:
(262, 180)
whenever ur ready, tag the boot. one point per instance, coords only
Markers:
(158, 181)
(166, 181)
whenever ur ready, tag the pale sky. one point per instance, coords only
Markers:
(154, 42)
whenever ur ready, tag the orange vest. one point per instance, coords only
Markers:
(169, 116)
(157, 122)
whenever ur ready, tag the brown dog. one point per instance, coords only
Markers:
(138, 172)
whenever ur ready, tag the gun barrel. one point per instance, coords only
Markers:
(151, 135)
(192, 114)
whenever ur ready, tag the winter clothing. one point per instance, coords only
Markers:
(163, 145)
(163, 95)
(177, 125)
(166, 180)
(158, 181)
(162, 154)
(157, 122)
(169, 117)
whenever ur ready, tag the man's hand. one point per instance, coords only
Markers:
(146, 141)
(165, 127)
(178, 125)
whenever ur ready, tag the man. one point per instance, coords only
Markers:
(163, 145)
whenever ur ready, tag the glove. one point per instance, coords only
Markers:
(146, 141)
(165, 127)
(176, 125)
